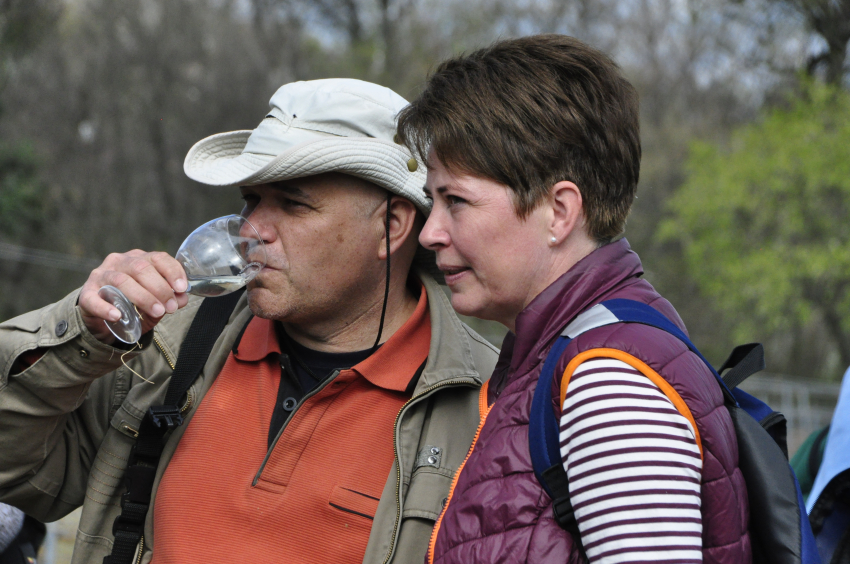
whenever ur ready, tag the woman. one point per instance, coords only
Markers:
(533, 156)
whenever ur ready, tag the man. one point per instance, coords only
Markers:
(303, 440)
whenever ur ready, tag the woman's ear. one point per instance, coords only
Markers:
(567, 213)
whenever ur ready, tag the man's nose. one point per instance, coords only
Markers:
(257, 224)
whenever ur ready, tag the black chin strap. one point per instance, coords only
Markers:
(387, 285)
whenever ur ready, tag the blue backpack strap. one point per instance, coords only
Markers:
(545, 446)
(543, 428)
(630, 311)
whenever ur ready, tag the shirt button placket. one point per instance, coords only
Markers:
(289, 404)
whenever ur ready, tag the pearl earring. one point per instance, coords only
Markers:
(553, 240)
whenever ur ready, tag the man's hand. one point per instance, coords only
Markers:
(154, 282)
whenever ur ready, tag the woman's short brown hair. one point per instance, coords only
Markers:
(531, 112)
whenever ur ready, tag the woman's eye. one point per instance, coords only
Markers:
(454, 200)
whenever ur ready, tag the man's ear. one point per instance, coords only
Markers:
(402, 222)
(567, 212)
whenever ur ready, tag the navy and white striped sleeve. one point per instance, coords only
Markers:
(633, 465)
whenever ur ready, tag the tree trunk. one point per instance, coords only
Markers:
(831, 20)
(842, 337)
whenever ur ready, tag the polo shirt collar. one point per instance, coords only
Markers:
(393, 365)
(258, 341)
(390, 367)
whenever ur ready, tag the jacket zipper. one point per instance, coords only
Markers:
(170, 362)
(485, 410)
(141, 550)
(161, 348)
(189, 398)
(425, 392)
(189, 395)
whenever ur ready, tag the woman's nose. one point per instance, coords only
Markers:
(434, 235)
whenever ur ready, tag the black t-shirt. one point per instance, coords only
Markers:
(301, 371)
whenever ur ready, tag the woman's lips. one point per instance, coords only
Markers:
(452, 274)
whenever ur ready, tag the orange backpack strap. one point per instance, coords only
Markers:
(641, 367)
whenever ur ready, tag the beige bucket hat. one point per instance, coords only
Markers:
(331, 125)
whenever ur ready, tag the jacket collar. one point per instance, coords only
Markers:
(587, 283)
(450, 354)
(402, 354)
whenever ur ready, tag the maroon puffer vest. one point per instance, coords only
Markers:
(498, 512)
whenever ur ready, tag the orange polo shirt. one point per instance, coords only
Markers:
(311, 498)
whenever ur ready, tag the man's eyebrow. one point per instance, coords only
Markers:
(291, 190)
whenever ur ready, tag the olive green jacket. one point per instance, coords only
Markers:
(67, 423)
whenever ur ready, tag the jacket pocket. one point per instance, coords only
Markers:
(352, 501)
(426, 493)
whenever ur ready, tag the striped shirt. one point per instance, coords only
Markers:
(633, 465)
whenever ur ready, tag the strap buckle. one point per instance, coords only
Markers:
(168, 415)
(134, 523)
(564, 514)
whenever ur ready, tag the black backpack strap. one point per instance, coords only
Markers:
(558, 486)
(743, 362)
(205, 329)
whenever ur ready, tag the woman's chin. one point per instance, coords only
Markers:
(465, 304)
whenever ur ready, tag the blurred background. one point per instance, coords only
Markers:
(742, 211)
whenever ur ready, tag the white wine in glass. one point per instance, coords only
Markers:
(219, 257)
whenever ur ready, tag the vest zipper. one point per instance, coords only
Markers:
(424, 393)
(161, 348)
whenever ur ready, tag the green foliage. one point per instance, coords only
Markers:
(21, 192)
(764, 222)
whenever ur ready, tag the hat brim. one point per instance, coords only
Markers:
(218, 160)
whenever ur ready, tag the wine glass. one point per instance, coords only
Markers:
(219, 257)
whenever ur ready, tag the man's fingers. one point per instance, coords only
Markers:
(92, 305)
(146, 302)
(171, 270)
(154, 283)
(145, 272)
